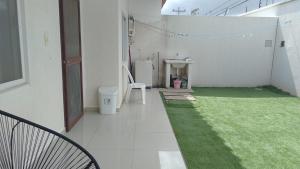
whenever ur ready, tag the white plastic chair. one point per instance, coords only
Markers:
(133, 85)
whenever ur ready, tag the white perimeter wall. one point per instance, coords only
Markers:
(286, 69)
(41, 100)
(228, 51)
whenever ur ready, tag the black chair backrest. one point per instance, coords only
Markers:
(26, 145)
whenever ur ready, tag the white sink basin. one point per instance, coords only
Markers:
(178, 63)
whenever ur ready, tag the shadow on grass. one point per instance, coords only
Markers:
(200, 144)
(259, 92)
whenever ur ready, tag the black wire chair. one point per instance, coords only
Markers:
(26, 145)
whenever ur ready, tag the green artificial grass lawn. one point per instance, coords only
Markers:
(232, 128)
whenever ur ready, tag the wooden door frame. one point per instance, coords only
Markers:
(65, 64)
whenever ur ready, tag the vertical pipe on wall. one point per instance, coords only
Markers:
(158, 62)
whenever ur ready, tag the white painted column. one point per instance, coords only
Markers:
(189, 74)
(167, 75)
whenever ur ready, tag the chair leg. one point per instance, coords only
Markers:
(144, 95)
(128, 94)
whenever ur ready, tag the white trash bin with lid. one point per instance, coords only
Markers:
(108, 100)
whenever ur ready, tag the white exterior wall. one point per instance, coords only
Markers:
(286, 69)
(148, 43)
(41, 100)
(102, 47)
(228, 51)
(149, 39)
(122, 75)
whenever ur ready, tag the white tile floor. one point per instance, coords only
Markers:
(138, 137)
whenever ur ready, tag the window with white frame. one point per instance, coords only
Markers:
(12, 54)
